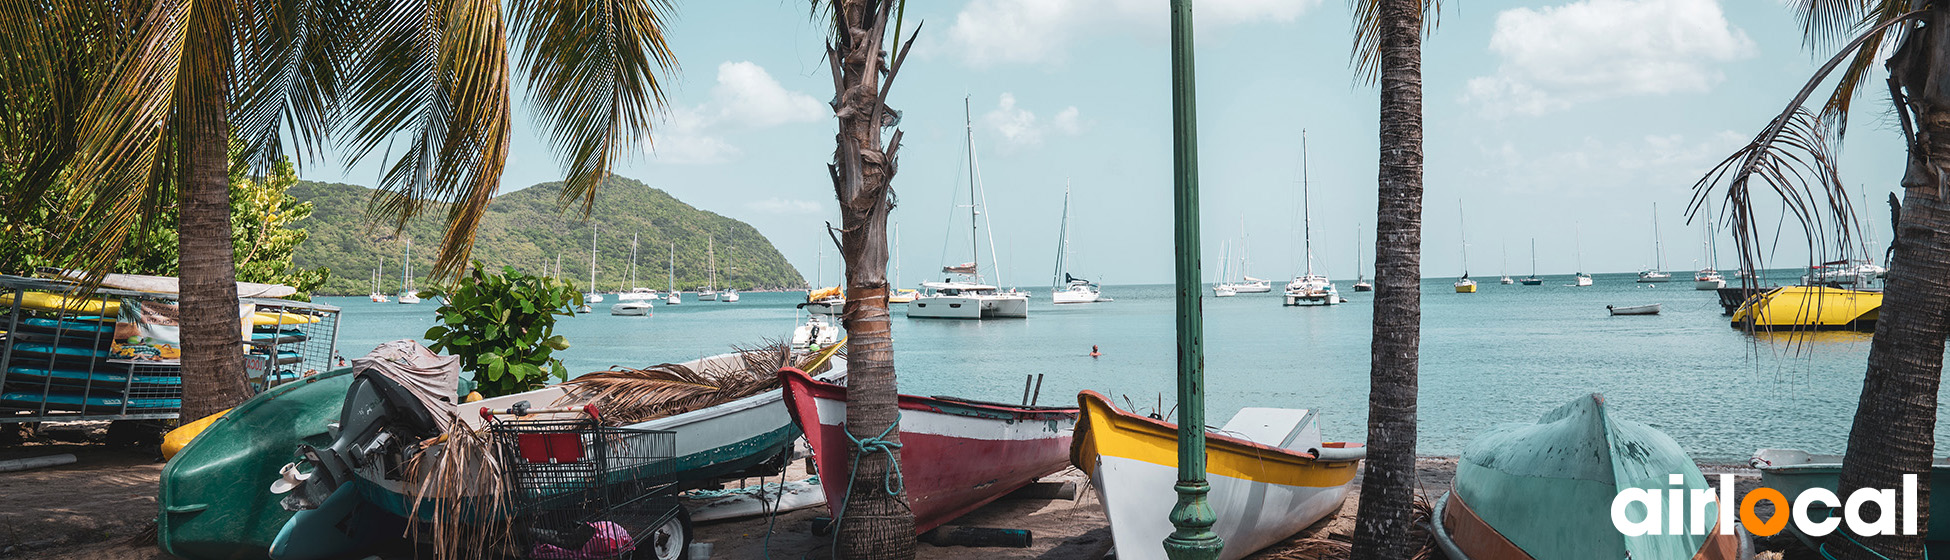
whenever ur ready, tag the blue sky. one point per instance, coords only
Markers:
(1542, 118)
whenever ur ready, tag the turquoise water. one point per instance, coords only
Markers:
(1504, 354)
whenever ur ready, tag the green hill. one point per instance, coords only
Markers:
(527, 230)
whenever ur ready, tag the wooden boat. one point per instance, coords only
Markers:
(1792, 470)
(1810, 308)
(1647, 309)
(212, 493)
(1271, 475)
(956, 455)
(1544, 491)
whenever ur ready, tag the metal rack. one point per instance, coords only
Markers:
(585, 490)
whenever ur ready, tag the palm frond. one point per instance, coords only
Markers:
(298, 51)
(592, 73)
(435, 75)
(631, 395)
(1866, 55)
(53, 48)
(1366, 54)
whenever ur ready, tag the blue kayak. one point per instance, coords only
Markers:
(61, 351)
(81, 325)
(62, 400)
(113, 376)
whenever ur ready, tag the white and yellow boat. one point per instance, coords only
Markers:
(1810, 308)
(1271, 475)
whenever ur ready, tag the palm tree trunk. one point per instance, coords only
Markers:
(213, 361)
(876, 525)
(1895, 420)
(1388, 485)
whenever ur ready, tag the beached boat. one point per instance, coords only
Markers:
(1271, 475)
(956, 455)
(1647, 309)
(212, 493)
(1544, 491)
(1810, 308)
(1792, 471)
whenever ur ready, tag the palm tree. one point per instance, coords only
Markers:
(121, 108)
(1893, 432)
(876, 522)
(1388, 46)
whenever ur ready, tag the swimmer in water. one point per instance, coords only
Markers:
(1093, 351)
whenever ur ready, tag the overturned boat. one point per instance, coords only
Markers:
(1809, 308)
(1792, 471)
(956, 455)
(1271, 475)
(1544, 491)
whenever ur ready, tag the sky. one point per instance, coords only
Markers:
(1562, 122)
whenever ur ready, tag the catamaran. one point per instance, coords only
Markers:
(1532, 279)
(635, 293)
(406, 295)
(1658, 271)
(969, 297)
(1063, 287)
(1309, 288)
(1464, 285)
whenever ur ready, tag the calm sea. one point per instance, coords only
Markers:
(1504, 354)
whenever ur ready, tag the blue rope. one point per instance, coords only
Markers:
(891, 482)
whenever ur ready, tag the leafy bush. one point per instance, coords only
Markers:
(503, 328)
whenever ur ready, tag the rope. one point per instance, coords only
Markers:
(891, 482)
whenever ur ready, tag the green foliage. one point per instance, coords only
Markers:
(264, 219)
(503, 328)
(528, 229)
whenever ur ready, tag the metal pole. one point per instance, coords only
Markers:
(1192, 518)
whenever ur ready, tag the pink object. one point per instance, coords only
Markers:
(610, 540)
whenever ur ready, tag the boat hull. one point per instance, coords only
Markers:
(1469, 288)
(940, 440)
(213, 494)
(1810, 308)
(1713, 284)
(1652, 309)
(1260, 494)
(1792, 471)
(1532, 281)
(630, 309)
(1253, 288)
(969, 307)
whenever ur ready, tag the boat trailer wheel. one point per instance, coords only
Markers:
(670, 540)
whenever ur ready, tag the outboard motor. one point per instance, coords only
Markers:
(380, 427)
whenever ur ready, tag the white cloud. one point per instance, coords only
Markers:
(776, 205)
(746, 97)
(1658, 162)
(1590, 50)
(989, 32)
(1017, 126)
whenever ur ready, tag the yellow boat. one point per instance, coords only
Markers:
(1271, 475)
(1810, 308)
(903, 295)
(62, 303)
(270, 318)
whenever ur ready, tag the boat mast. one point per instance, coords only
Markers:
(406, 273)
(592, 258)
(711, 256)
(1577, 243)
(974, 211)
(1359, 274)
(897, 256)
(1462, 225)
(670, 273)
(632, 262)
(1062, 240)
(1658, 250)
(1306, 205)
(1533, 257)
(1245, 248)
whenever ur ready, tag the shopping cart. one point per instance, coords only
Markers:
(579, 489)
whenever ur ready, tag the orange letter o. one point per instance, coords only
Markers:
(1752, 520)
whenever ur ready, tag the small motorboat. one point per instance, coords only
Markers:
(1810, 308)
(1224, 290)
(956, 455)
(903, 295)
(1647, 309)
(825, 301)
(817, 332)
(631, 308)
(1544, 491)
(1271, 475)
(585, 309)
(1792, 471)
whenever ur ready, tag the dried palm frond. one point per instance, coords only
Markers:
(462, 488)
(630, 395)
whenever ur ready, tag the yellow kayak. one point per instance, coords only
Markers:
(63, 303)
(270, 318)
(181, 436)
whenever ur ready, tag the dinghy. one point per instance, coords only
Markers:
(1647, 309)
(956, 455)
(1271, 475)
(1792, 471)
(1544, 491)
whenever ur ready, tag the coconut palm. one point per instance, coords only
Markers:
(1388, 48)
(875, 521)
(118, 108)
(1893, 432)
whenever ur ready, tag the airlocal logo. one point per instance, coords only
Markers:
(1680, 505)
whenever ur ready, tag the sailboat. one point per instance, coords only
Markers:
(1708, 278)
(1063, 287)
(1532, 280)
(593, 296)
(1309, 288)
(635, 293)
(710, 290)
(406, 295)
(1224, 288)
(1577, 240)
(377, 274)
(673, 296)
(1246, 284)
(1506, 266)
(969, 298)
(1360, 279)
(899, 295)
(1464, 285)
(1657, 273)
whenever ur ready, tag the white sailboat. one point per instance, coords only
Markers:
(1361, 283)
(1506, 266)
(1658, 271)
(593, 296)
(1464, 285)
(671, 295)
(377, 274)
(710, 290)
(635, 293)
(1708, 278)
(969, 297)
(1224, 288)
(1577, 240)
(1063, 287)
(406, 295)
(899, 294)
(1309, 288)
(1246, 284)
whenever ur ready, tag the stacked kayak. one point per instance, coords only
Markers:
(59, 359)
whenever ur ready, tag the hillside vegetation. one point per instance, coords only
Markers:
(528, 230)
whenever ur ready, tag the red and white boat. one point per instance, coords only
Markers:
(956, 455)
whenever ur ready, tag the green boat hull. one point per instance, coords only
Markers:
(1793, 471)
(215, 496)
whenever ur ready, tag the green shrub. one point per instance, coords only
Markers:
(502, 326)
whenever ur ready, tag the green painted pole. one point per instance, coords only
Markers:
(1192, 518)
